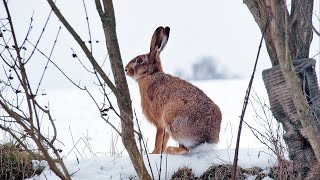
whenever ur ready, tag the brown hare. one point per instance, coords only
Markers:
(176, 107)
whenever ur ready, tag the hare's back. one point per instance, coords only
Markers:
(198, 119)
(197, 122)
(167, 88)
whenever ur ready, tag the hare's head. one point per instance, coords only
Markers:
(149, 63)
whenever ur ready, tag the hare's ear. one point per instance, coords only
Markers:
(159, 39)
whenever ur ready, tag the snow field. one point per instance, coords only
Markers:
(92, 149)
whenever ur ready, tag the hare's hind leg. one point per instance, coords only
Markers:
(181, 150)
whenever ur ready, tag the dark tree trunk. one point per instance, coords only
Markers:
(288, 38)
(120, 88)
(284, 111)
(300, 28)
(123, 97)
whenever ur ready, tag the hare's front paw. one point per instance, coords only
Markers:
(176, 150)
(156, 151)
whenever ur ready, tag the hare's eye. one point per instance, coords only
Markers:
(139, 61)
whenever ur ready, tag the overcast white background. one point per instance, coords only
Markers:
(222, 29)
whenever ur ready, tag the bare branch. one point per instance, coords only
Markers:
(83, 47)
(40, 37)
(64, 74)
(46, 66)
(77, 57)
(26, 124)
(21, 65)
(245, 103)
(102, 116)
(88, 24)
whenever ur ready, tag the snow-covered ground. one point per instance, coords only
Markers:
(106, 167)
(92, 149)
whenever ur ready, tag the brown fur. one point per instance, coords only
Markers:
(176, 107)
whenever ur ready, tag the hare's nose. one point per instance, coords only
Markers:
(128, 71)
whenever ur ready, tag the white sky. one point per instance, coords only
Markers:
(224, 30)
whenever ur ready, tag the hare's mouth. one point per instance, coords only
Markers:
(139, 75)
(135, 74)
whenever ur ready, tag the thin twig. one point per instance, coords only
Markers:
(40, 37)
(88, 24)
(28, 32)
(64, 74)
(77, 57)
(24, 81)
(245, 103)
(46, 66)
(43, 144)
(101, 114)
(84, 48)
(145, 148)
(162, 145)
(110, 104)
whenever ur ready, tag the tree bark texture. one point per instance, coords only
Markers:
(123, 99)
(289, 37)
(120, 87)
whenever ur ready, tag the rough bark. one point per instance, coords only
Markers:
(260, 11)
(300, 28)
(284, 111)
(287, 38)
(124, 102)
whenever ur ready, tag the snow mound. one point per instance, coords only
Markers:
(199, 160)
